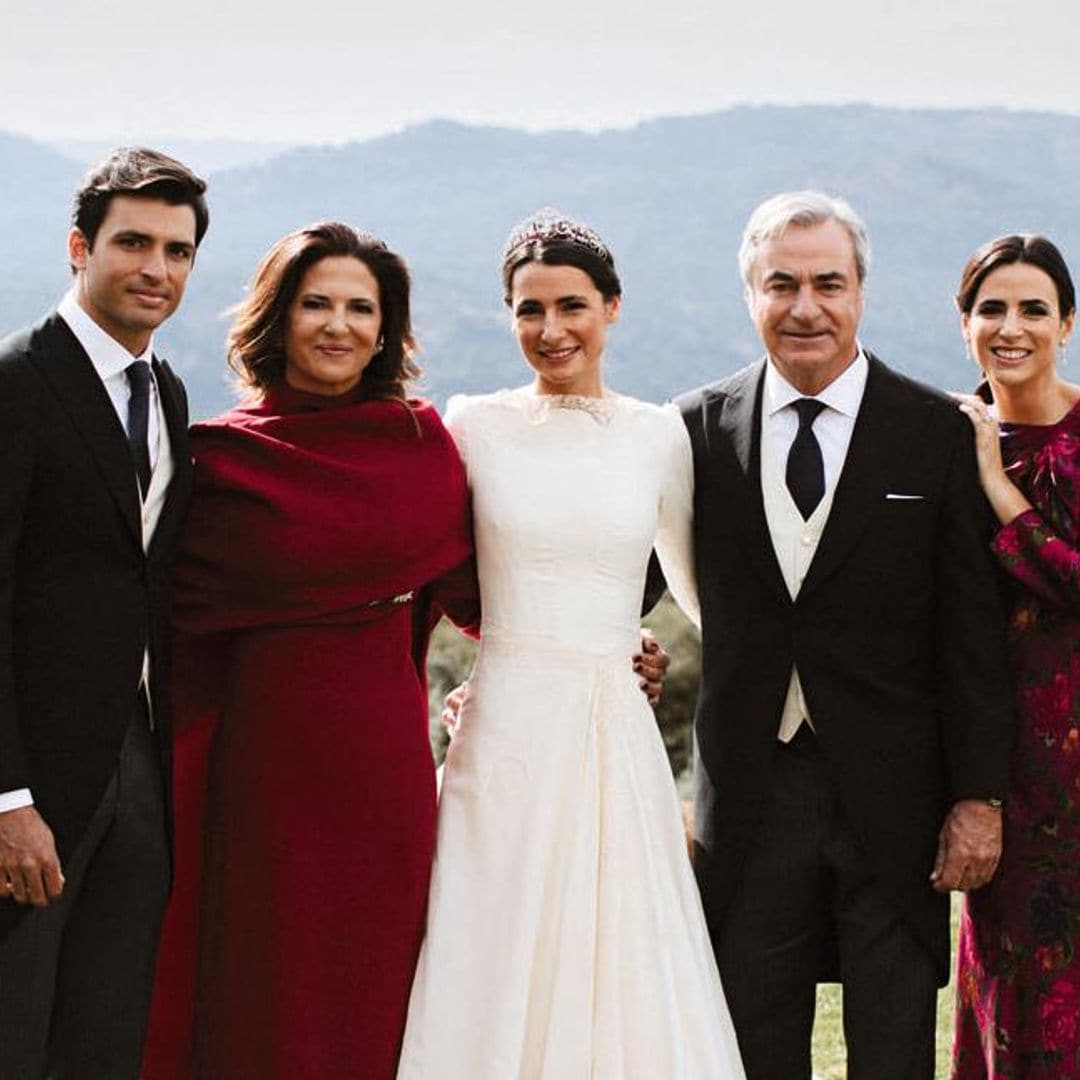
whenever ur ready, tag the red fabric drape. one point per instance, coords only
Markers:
(307, 508)
(310, 515)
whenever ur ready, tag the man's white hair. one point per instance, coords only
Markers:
(801, 209)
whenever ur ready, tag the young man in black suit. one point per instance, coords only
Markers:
(94, 480)
(854, 723)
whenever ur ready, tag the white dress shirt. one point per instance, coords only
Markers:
(794, 540)
(110, 360)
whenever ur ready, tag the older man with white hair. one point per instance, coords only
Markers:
(854, 723)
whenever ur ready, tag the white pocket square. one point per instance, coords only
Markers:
(899, 495)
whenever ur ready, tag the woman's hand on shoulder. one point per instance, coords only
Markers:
(987, 435)
(1003, 495)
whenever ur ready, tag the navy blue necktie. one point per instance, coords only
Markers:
(805, 465)
(138, 374)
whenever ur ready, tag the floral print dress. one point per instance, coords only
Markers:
(1018, 968)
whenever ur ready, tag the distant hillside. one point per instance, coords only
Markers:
(670, 196)
(37, 188)
(205, 156)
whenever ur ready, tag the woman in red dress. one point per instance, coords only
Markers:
(305, 791)
(1018, 970)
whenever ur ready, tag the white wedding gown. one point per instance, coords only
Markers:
(565, 937)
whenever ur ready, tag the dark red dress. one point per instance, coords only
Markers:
(1018, 967)
(305, 788)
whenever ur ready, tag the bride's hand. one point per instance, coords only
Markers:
(651, 664)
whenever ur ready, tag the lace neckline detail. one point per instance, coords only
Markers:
(541, 406)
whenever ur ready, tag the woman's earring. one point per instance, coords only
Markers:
(1062, 355)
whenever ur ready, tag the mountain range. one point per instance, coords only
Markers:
(670, 196)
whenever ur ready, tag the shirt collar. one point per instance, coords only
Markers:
(844, 393)
(108, 356)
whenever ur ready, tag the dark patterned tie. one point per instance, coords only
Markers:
(138, 374)
(805, 465)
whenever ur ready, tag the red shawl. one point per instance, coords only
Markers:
(313, 509)
(306, 510)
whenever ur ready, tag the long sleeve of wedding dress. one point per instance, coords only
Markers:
(675, 525)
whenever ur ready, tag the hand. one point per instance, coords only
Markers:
(29, 867)
(987, 435)
(688, 827)
(969, 847)
(1002, 494)
(651, 664)
(452, 703)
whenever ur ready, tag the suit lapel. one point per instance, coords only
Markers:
(739, 422)
(171, 403)
(175, 409)
(860, 488)
(64, 364)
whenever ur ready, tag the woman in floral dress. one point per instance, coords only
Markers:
(1018, 973)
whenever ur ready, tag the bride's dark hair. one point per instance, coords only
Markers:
(555, 239)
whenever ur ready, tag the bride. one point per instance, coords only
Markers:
(565, 938)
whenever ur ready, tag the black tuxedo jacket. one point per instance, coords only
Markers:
(897, 634)
(79, 598)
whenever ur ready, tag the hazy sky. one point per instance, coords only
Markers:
(329, 70)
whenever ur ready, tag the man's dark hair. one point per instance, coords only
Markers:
(138, 171)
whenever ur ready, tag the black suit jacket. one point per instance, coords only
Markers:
(897, 634)
(79, 598)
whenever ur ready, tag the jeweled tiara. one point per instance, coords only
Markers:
(549, 225)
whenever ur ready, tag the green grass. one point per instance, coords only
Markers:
(829, 1053)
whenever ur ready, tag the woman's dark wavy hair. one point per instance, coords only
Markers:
(1016, 248)
(256, 341)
